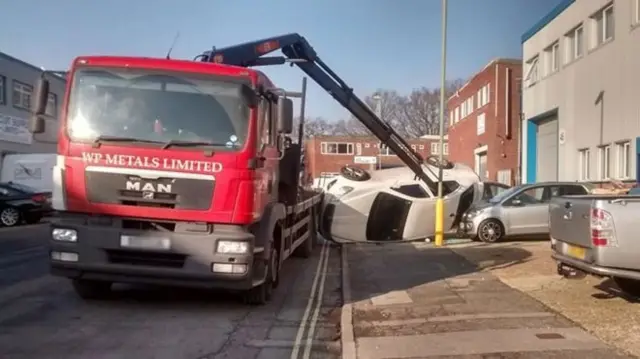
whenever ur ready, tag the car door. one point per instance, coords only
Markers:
(526, 212)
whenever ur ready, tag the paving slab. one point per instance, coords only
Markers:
(417, 301)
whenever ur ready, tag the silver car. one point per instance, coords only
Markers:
(519, 211)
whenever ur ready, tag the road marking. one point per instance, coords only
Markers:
(316, 312)
(305, 316)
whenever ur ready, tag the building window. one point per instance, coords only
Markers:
(635, 20)
(456, 115)
(3, 90)
(585, 159)
(367, 145)
(480, 123)
(22, 95)
(574, 43)
(414, 147)
(421, 147)
(52, 105)
(483, 96)
(435, 148)
(336, 148)
(623, 160)
(385, 151)
(604, 161)
(358, 149)
(552, 53)
(532, 71)
(603, 25)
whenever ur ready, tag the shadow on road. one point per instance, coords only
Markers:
(389, 269)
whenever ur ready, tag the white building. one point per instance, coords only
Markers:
(581, 92)
(17, 83)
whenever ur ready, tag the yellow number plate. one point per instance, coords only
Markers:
(576, 252)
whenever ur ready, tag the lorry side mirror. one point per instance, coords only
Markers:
(285, 115)
(39, 104)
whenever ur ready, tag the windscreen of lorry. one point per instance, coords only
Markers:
(152, 106)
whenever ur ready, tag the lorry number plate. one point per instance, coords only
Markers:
(145, 242)
(576, 252)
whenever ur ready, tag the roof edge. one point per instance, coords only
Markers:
(559, 9)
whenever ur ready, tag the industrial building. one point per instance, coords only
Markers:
(581, 93)
(484, 121)
(17, 83)
(325, 155)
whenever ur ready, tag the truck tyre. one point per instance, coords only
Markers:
(628, 286)
(91, 289)
(490, 231)
(305, 250)
(261, 294)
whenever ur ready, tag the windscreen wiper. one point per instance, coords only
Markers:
(179, 143)
(106, 138)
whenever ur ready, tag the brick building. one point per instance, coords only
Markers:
(484, 122)
(325, 155)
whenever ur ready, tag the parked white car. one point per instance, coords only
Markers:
(392, 204)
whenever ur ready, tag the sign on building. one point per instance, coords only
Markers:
(15, 129)
(365, 160)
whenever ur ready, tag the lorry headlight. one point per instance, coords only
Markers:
(232, 247)
(64, 235)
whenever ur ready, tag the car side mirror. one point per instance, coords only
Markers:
(285, 115)
(39, 104)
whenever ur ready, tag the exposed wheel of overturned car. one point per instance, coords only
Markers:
(628, 286)
(490, 231)
(435, 162)
(354, 173)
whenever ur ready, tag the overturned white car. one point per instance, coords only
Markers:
(393, 205)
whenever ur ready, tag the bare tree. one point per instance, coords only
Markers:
(412, 116)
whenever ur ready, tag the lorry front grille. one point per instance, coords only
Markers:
(165, 192)
(148, 259)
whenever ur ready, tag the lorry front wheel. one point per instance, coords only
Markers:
(262, 293)
(91, 289)
(628, 286)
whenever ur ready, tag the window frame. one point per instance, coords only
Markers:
(3, 90)
(604, 162)
(19, 105)
(599, 34)
(325, 145)
(584, 164)
(623, 160)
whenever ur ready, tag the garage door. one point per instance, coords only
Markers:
(547, 151)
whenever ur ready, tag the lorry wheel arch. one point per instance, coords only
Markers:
(269, 226)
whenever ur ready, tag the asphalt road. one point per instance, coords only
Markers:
(41, 317)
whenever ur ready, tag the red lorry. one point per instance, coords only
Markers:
(182, 172)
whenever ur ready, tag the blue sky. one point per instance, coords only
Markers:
(371, 44)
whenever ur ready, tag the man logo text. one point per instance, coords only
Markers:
(148, 187)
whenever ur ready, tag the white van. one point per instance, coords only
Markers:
(34, 170)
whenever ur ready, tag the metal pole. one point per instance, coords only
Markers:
(439, 235)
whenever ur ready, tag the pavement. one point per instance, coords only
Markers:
(41, 317)
(413, 300)
(594, 303)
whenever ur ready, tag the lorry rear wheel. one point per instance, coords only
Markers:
(628, 286)
(305, 250)
(262, 293)
(91, 289)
